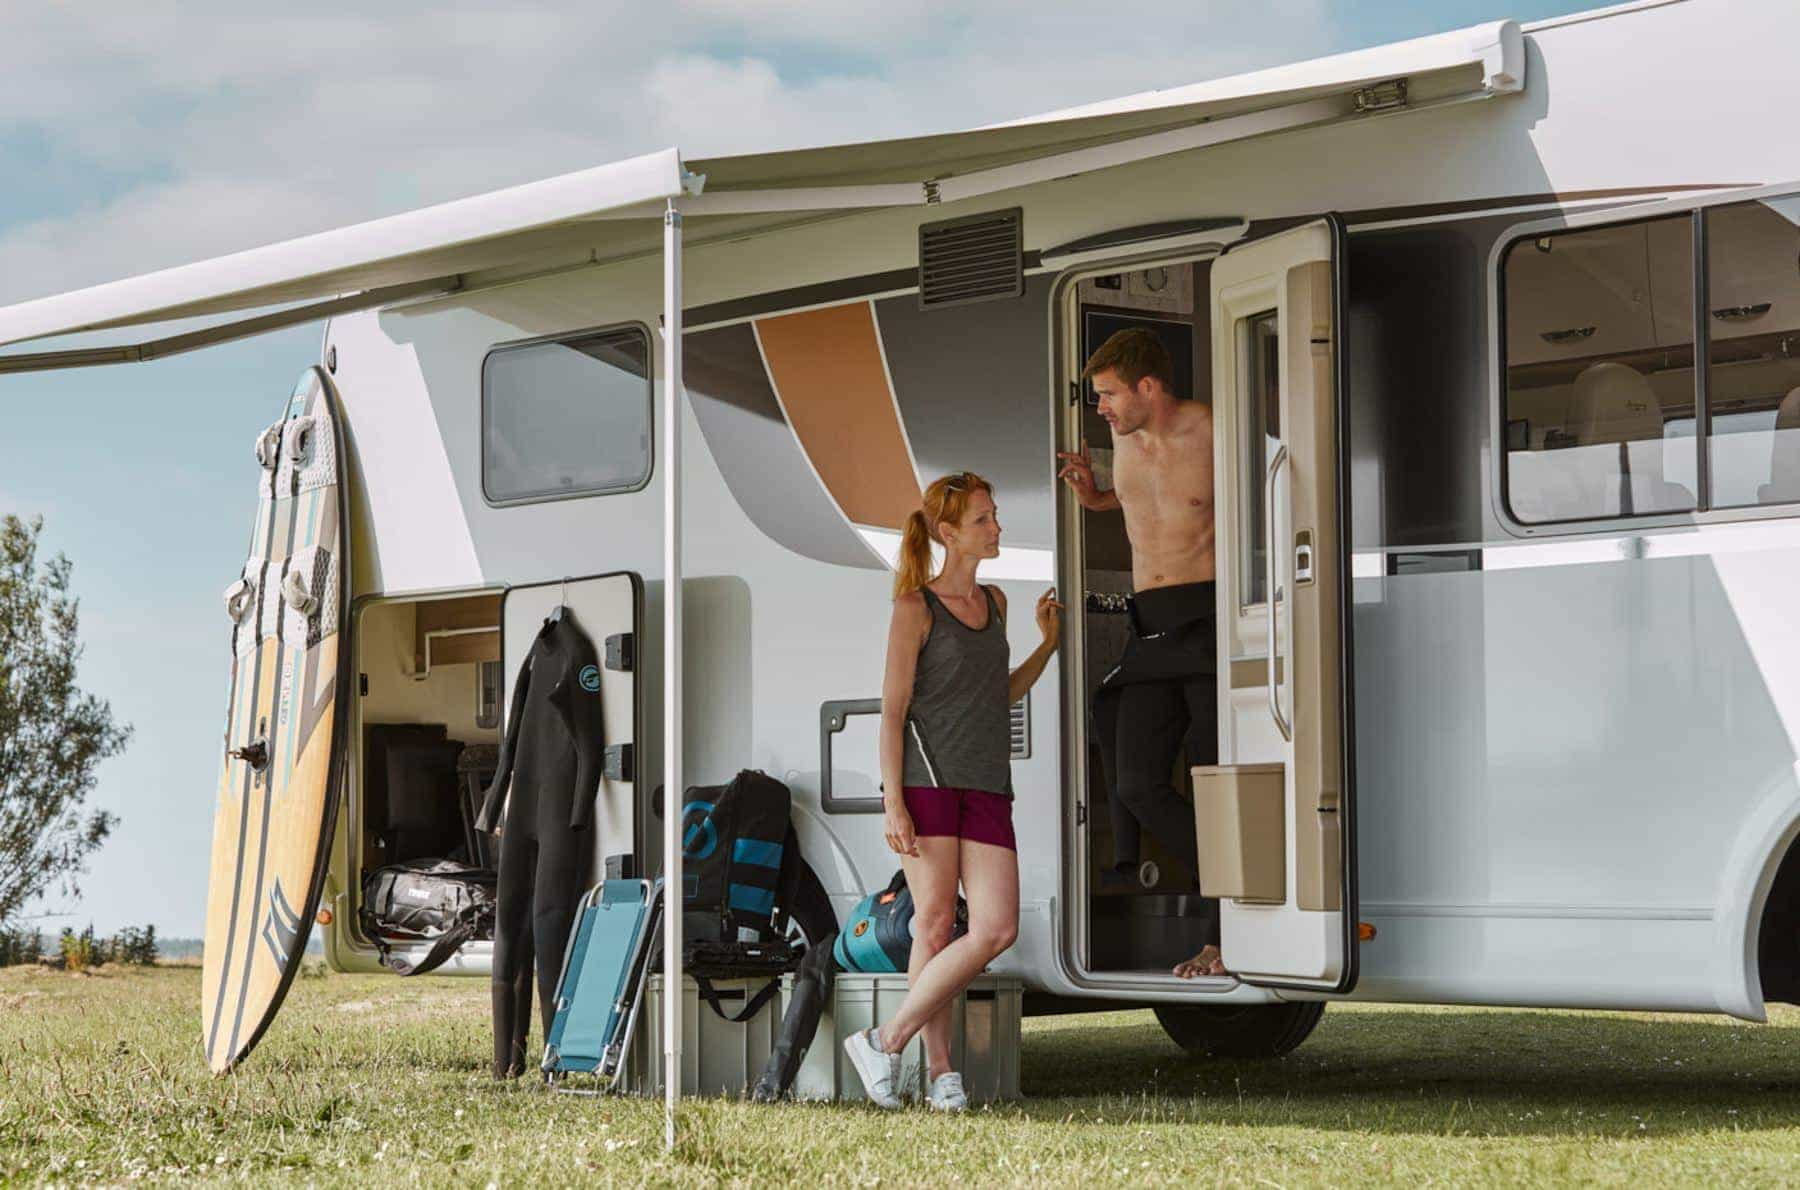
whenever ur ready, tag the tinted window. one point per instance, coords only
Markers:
(1599, 372)
(1753, 357)
(567, 418)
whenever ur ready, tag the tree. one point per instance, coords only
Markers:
(53, 736)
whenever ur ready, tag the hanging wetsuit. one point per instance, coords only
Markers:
(552, 757)
(1162, 696)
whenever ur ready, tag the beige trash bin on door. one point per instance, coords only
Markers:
(1241, 827)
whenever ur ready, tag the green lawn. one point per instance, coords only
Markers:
(367, 1078)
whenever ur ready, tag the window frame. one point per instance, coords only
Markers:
(1705, 511)
(651, 379)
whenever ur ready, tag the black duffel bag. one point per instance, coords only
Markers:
(447, 902)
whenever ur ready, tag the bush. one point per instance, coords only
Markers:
(20, 947)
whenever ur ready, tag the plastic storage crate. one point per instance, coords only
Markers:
(984, 1037)
(718, 1057)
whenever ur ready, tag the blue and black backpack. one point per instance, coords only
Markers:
(877, 937)
(743, 877)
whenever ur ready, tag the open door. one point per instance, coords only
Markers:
(279, 785)
(609, 609)
(1276, 834)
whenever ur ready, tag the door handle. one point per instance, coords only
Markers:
(1270, 549)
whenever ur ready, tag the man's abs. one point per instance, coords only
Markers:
(1169, 552)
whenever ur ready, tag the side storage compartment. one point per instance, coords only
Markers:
(718, 1057)
(984, 1038)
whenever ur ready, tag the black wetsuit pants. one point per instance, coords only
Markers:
(543, 871)
(1159, 704)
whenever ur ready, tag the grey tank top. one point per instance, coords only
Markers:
(958, 727)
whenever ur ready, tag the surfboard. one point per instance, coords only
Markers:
(284, 726)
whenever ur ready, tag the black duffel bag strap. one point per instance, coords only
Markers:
(468, 925)
(752, 1006)
(803, 897)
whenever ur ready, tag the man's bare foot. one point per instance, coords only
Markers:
(1207, 962)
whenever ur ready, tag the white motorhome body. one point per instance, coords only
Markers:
(1533, 662)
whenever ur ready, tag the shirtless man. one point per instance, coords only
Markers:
(1163, 690)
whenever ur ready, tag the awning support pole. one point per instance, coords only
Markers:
(671, 709)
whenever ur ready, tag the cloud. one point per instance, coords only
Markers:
(176, 137)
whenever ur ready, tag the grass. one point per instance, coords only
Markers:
(364, 1078)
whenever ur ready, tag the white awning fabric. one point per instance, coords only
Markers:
(617, 209)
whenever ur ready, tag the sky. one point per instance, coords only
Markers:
(138, 136)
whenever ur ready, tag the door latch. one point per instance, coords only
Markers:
(1303, 557)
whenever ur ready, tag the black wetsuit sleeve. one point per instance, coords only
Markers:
(577, 700)
(491, 804)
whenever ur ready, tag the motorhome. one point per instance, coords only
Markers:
(1499, 331)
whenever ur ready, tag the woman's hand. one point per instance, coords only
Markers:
(899, 827)
(1049, 618)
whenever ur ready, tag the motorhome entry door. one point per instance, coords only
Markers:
(608, 609)
(1275, 836)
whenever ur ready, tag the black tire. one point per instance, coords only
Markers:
(1247, 1031)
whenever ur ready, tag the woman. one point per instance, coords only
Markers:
(946, 761)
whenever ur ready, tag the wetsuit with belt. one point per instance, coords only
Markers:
(552, 759)
(1162, 694)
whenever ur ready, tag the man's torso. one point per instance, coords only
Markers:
(1165, 489)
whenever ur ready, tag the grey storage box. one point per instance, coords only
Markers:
(984, 1037)
(718, 1057)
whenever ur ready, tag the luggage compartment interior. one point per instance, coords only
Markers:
(429, 725)
(1150, 917)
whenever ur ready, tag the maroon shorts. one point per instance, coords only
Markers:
(972, 814)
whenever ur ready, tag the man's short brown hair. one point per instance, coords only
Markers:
(1133, 354)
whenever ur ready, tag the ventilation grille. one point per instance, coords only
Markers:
(973, 259)
(1021, 728)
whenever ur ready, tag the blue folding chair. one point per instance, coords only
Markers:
(604, 969)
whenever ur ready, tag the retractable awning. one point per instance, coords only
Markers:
(616, 210)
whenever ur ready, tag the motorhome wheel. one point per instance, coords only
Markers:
(1247, 1031)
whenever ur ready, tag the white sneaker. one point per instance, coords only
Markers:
(879, 1071)
(947, 1093)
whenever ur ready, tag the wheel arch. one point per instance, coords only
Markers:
(1765, 845)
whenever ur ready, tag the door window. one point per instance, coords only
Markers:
(1261, 435)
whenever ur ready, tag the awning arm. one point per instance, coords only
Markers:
(244, 328)
(673, 784)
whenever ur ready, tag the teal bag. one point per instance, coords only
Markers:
(877, 937)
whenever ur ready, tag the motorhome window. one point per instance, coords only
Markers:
(1753, 352)
(1261, 345)
(1599, 368)
(566, 418)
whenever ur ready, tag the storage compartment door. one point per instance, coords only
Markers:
(1283, 573)
(279, 783)
(609, 609)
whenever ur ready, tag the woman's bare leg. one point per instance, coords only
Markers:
(932, 878)
(991, 876)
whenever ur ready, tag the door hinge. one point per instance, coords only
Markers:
(621, 763)
(621, 652)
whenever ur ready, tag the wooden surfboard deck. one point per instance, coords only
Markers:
(278, 783)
